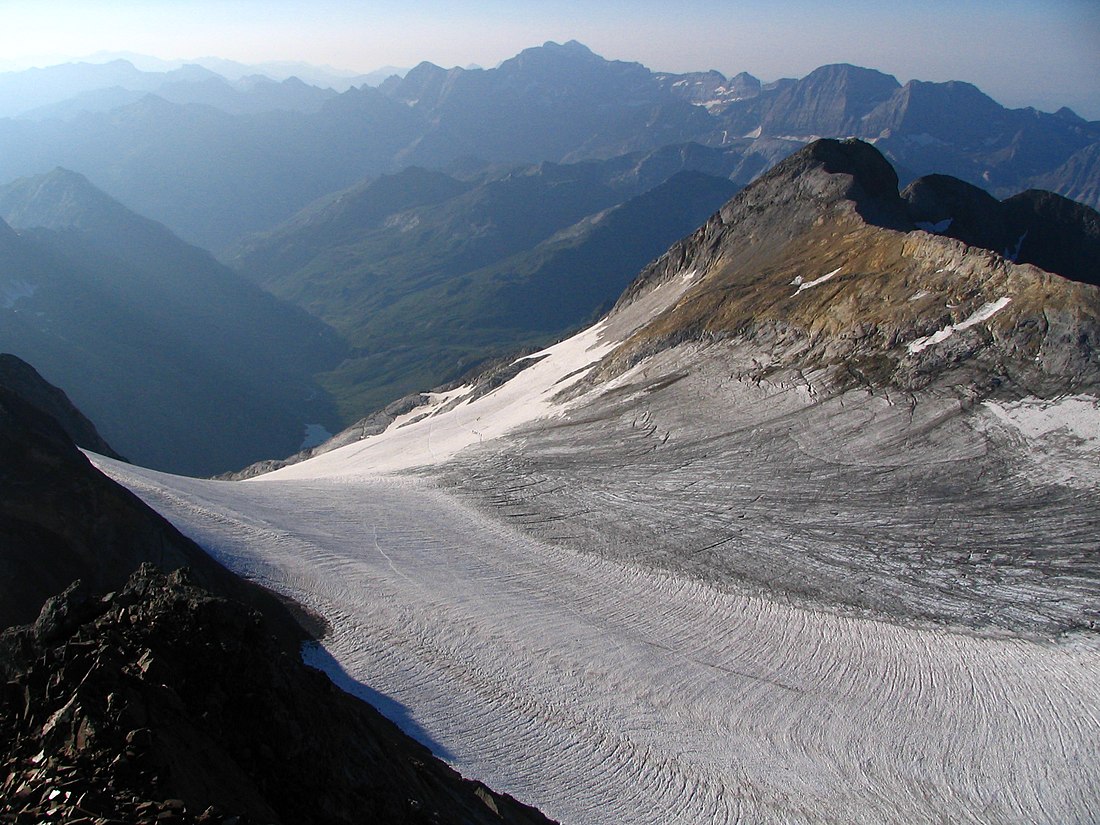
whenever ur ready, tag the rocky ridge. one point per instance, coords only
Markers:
(821, 263)
(163, 703)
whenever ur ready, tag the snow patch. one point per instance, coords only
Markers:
(803, 285)
(429, 435)
(919, 294)
(986, 312)
(14, 291)
(1076, 416)
(937, 228)
(1061, 436)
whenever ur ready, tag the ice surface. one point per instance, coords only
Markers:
(1061, 437)
(984, 313)
(421, 437)
(605, 693)
(537, 644)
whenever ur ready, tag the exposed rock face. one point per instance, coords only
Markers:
(1056, 234)
(945, 205)
(1077, 178)
(163, 703)
(828, 101)
(1034, 227)
(819, 263)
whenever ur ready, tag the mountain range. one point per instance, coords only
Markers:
(426, 275)
(723, 450)
(185, 365)
(225, 172)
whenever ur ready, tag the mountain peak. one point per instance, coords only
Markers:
(827, 172)
(59, 199)
(573, 46)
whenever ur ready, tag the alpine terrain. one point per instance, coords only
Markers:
(142, 692)
(803, 529)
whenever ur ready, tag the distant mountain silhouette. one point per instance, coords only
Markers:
(233, 159)
(185, 365)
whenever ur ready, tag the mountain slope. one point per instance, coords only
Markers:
(184, 364)
(1077, 178)
(825, 337)
(426, 275)
(814, 496)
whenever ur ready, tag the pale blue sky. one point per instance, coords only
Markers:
(1044, 53)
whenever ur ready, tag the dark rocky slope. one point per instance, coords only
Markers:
(161, 699)
(164, 703)
(21, 378)
(62, 520)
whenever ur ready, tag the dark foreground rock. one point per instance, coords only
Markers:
(62, 520)
(164, 703)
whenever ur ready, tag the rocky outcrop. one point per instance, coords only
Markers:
(163, 703)
(828, 101)
(820, 265)
(1033, 227)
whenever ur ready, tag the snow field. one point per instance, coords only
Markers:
(603, 693)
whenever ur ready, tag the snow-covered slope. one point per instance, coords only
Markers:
(739, 552)
(603, 693)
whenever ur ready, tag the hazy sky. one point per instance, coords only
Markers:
(1022, 52)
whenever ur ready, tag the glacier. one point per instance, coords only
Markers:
(603, 690)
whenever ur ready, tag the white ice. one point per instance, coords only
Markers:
(804, 285)
(984, 313)
(423, 437)
(603, 693)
